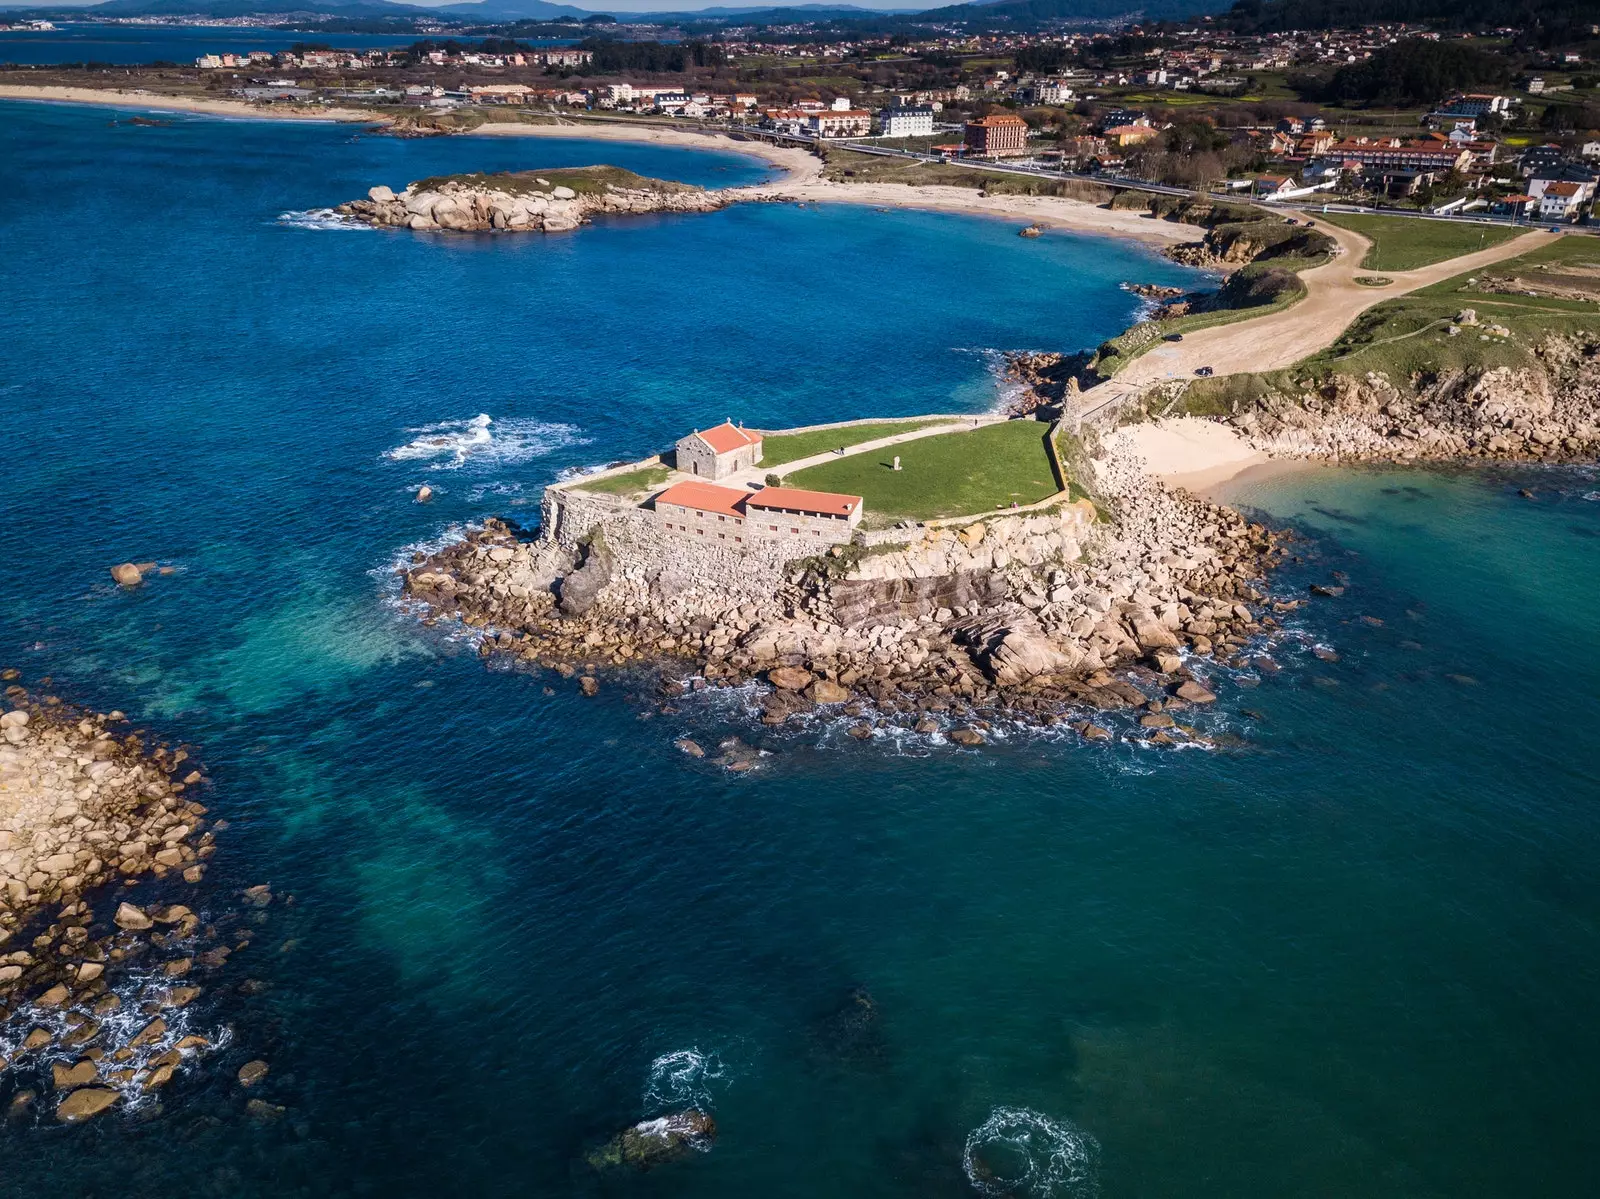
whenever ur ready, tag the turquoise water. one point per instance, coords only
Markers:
(1355, 954)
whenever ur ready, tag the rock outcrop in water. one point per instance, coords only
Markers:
(99, 965)
(526, 201)
(652, 1143)
(82, 803)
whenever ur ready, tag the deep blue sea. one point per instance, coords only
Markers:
(1355, 953)
(131, 45)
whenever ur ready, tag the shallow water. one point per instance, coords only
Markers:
(1354, 955)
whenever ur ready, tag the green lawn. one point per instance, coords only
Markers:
(1405, 243)
(950, 474)
(632, 483)
(791, 447)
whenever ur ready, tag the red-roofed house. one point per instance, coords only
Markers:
(703, 511)
(718, 452)
(707, 512)
(790, 513)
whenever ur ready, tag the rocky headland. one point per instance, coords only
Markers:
(1549, 412)
(1047, 616)
(552, 201)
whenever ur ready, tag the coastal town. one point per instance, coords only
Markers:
(1320, 115)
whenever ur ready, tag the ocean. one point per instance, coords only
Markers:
(133, 45)
(1351, 952)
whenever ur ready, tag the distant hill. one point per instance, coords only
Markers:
(514, 10)
(244, 8)
(1028, 13)
(1272, 16)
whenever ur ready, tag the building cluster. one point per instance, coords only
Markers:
(704, 509)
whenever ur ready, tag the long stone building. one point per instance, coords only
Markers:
(783, 516)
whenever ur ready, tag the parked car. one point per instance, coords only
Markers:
(1173, 337)
(1205, 372)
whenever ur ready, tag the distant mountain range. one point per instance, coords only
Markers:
(1020, 12)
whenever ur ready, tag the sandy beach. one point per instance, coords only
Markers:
(799, 165)
(1199, 456)
(138, 98)
(802, 180)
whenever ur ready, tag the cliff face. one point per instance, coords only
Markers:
(528, 201)
(1548, 411)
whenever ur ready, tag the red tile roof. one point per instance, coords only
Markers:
(795, 499)
(727, 437)
(707, 497)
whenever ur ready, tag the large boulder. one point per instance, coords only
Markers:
(825, 691)
(127, 574)
(85, 1103)
(857, 601)
(789, 678)
(380, 194)
(1011, 648)
(582, 587)
(1150, 631)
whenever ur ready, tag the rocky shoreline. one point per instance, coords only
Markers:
(552, 201)
(1548, 413)
(102, 840)
(1046, 618)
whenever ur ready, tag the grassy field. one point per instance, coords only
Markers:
(634, 482)
(1410, 335)
(1405, 243)
(582, 180)
(951, 474)
(791, 447)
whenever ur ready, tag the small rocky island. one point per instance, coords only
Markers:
(552, 201)
(716, 572)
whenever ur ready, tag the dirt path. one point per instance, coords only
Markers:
(1280, 340)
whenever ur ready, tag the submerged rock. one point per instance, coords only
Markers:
(652, 1143)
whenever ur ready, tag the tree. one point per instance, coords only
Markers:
(1415, 71)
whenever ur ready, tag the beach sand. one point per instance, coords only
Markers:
(1200, 456)
(153, 101)
(802, 180)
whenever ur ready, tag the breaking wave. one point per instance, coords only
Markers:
(452, 444)
(319, 218)
(1020, 1152)
(683, 1079)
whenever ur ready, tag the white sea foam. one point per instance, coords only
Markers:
(136, 987)
(684, 1078)
(1020, 1152)
(452, 444)
(320, 218)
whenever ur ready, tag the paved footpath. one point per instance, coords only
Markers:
(756, 475)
